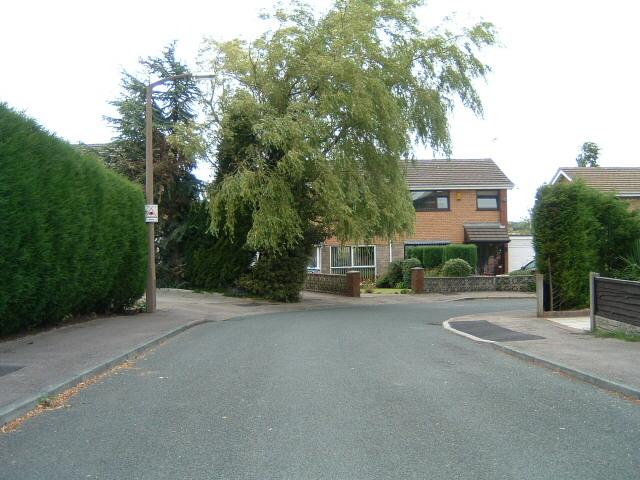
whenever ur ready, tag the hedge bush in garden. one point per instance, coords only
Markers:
(456, 267)
(72, 232)
(467, 252)
(577, 230)
(434, 256)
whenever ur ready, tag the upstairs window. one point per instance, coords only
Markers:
(488, 199)
(430, 200)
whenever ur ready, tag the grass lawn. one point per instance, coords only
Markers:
(627, 337)
(389, 291)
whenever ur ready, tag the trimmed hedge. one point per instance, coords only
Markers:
(72, 232)
(434, 256)
(577, 230)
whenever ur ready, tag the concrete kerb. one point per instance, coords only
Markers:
(552, 365)
(17, 409)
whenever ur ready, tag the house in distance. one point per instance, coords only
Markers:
(456, 201)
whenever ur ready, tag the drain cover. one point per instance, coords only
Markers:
(7, 369)
(489, 331)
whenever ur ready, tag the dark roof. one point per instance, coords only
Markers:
(455, 174)
(622, 180)
(485, 233)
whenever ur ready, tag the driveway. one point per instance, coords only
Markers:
(350, 393)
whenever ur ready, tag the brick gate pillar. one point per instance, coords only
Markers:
(353, 284)
(417, 280)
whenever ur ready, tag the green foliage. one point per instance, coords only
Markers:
(578, 230)
(392, 277)
(467, 252)
(431, 256)
(434, 256)
(456, 267)
(588, 156)
(433, 272)
(407, 265)
(520, 227)
(72, 233)
(630, 269)
(331, 104)
(278, 277)
(211, 262)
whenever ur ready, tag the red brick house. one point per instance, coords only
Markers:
(456, 201)
(624, 182)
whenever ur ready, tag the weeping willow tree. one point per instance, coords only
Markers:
(335, 102)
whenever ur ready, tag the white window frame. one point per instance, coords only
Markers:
(318, 255)
(351, 247)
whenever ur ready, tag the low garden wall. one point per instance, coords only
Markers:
(348, 284)
(523, 283)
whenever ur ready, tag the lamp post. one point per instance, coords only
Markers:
(151, 256)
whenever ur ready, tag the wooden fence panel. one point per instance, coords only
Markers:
(618, 300)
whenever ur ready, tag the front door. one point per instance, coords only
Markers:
(491, 259)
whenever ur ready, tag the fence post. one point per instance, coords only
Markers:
(417, 280)
(353, 283)
(592, 301)
(540, 294)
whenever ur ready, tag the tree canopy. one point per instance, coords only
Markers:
(334, 102)
(588, 156)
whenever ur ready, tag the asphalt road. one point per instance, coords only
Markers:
(356, 393)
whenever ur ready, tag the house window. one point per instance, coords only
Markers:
(430, 200)
(361, 258)
(314, 261)
(488, 199)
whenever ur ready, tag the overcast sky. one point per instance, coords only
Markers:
(566, 73)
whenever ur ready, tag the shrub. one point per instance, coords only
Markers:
(433, 256)
(433, 272)
(277, 277)
(213, 262)
(407, 265)
(576, 230)
(392, 277)
(430, 256)
(468, 252)
(456, 267)
(72, 232)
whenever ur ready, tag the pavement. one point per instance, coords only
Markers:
(361, 391)
(562, 344)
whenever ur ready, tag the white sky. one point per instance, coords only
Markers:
(566, 73)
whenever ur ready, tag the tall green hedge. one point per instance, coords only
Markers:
(577, 230)
(433, 256)
(72, 232)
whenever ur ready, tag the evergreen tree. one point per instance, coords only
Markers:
(176, 148)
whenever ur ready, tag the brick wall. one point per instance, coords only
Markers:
(448, 225)
(326, 283)
(524, 283)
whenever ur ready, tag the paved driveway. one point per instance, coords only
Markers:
(364, 392)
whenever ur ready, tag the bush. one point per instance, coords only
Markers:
(277, 277)
(72, 232)
(213, 262)
(577, 230)
(434, 256)
(456, 267)
(392, 277)
(433, 272)
(407, 265)
(468, 252)
(430, 256)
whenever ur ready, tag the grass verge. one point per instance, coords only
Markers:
(620, 335)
